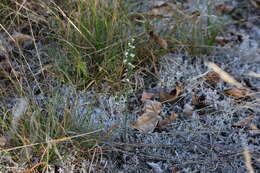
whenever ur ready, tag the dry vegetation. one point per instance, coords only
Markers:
(129, 86)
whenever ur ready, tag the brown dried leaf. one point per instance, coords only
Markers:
(163, 123)
(152, 106)
(149, 119)
(173, 95)
(244, 122)
(147, 95)
(253, 126)
(161, 42)
(213, 77)
(22, 39)
(175, 170)
(223, 75)
(162, 10)
(147, 122)
(238, 92)
(159, 3)
(222, 40)
(194, 98)
(224, 9)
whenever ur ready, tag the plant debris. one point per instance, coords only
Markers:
(149, 119)
(238, 92)
(224, 75)
(244, 122)
(171, 96)
(161, 42)
(163, 123)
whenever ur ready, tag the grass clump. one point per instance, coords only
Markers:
(93, 36)
(195, 30)
(45, 133)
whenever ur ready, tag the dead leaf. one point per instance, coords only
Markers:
(152, 106)
(147, 95)
(238, 92)
(252, 126)
(223, 75)
(22, 39)
(163, 10)
(224, 9)
(169, 97)
(193, 98)
(147, 122)
(149, 119)
(213, 77)
(244, 122)
(222, 40)
(159, 3)
(175, 170)
(161, 42)
(163, 123)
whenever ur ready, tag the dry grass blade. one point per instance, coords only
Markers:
(50, 141)
(254, 74)
(248, 160)
(244, 122)
(154, 62)
(223, 75)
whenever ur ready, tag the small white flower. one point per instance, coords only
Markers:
(125, 61)
(132, 39)
(132, 47)
(126, 80)
(131, 65)
(126, 53)
(132, 55)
